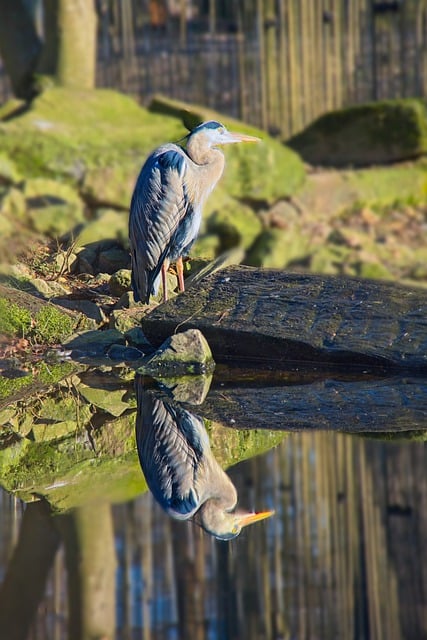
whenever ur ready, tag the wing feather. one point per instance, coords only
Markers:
(171, 447)
(159, 204)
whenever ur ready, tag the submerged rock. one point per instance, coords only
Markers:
(93, 343)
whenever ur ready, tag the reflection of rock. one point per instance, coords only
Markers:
(188, 389)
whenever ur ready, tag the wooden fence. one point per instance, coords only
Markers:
(275, 63)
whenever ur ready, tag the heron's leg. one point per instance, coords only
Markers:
(164, 270)
(180, 273)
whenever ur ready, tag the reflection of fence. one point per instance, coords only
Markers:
(275, 63)
(344, 556)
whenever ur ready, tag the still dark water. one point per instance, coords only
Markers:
(344, 556)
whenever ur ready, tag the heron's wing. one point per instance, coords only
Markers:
(172, 444)
(159, 203)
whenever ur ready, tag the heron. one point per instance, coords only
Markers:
(181, 471)
(166, 205)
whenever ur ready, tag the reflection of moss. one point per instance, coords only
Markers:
(42, 374)
(418, 435)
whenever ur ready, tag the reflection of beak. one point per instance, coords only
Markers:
(232, 136)
(250, 518)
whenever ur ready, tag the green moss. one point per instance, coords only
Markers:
(235, 224)
(14, 320)
(66, 132)
(52, 326)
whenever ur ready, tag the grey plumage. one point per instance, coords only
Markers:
(166, 206)
(180, 469)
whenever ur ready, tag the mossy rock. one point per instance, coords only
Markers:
(14, 204)
(372, 133)
(68, 134)
(107, 225)
(24, 315)
(8, 170)
(235, 224)
(276, 248)
(96, 141)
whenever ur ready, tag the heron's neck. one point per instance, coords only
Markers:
(202, 154)
(207, 168)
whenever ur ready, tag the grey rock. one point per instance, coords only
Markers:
(93, 343)
(120, 282)
(186, 353)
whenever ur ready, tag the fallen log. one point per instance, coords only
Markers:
(272, 319)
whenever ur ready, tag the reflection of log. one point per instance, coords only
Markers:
(273, 318)
(388, 404)
(24, 585)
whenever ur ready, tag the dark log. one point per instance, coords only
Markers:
(274, 319)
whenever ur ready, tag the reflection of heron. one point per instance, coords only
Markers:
(166, 207)
(180, 469)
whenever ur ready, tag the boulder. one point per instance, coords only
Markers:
(186, 353)
(276, 248)
(120, 282)
(373, 133)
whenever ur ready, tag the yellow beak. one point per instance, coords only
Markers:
(232, 136)
(250, 518)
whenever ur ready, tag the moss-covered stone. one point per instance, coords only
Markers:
(120, 282)
(276, 248)
(24, 315)
(107, 225)
(235, 224)
(14, 204)
(186, 353)
(373, 133)
(8, 170)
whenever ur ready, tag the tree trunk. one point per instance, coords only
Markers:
(20, 46)
(77, 44)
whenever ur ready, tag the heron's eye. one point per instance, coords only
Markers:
(221, 130)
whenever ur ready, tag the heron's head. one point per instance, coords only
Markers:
(225, 525)
(214, 134)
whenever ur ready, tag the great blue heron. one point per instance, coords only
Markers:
(166, 206)
(180, 469)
